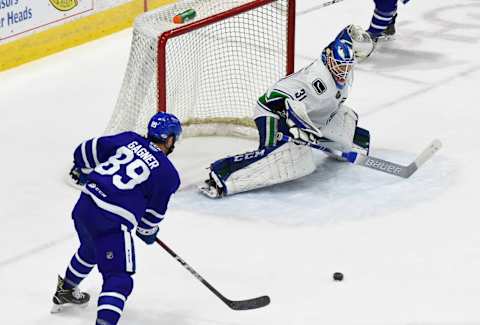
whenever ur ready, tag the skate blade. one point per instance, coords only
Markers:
(386, 38)
(209, 191)
(58, 308)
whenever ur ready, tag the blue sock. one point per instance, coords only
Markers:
(115, 291)
(77, 270)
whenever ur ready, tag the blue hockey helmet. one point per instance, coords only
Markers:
(339, 57)
(162, 125)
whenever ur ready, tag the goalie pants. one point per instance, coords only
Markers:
(109, 245)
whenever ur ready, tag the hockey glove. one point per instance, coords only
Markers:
(148, 236)
(299, 124)
(302, 134)
(79, 175)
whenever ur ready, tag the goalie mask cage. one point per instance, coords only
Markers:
(208, 72)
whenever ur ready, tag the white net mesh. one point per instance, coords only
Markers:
(214, 74)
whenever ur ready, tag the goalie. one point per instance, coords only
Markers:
(305, 107)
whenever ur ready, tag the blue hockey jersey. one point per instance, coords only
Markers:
(131, 178)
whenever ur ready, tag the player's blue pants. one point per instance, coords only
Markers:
(383, 16)
(109, 245)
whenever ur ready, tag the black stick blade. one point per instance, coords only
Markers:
(254, 303)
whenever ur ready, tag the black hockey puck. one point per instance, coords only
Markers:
(337, 276)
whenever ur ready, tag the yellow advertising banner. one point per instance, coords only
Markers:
(73, 33)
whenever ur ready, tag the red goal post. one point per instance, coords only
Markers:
(210, 71)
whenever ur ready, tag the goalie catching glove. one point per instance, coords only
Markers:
(300, 125)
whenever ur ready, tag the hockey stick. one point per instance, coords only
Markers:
(322, 5)
(385, 166)
(234, 304)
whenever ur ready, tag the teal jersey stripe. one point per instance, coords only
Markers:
(272, 131)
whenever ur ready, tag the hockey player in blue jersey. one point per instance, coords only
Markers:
(127, 183)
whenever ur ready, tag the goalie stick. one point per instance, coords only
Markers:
(233, 304)
(382, 165)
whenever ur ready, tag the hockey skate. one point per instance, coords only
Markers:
(213, 187)
(63, 297)
(366, 43)
(388, 33)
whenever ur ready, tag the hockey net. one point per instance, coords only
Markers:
(208, 72)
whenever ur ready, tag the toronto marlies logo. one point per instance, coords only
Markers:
(109, 255)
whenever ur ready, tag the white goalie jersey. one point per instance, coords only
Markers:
(315, 87)
(314, 96)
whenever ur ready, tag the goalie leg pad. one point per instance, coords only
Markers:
(263, 167)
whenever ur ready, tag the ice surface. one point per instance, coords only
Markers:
(409, 249)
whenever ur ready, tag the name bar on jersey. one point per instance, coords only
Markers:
(143, 153)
